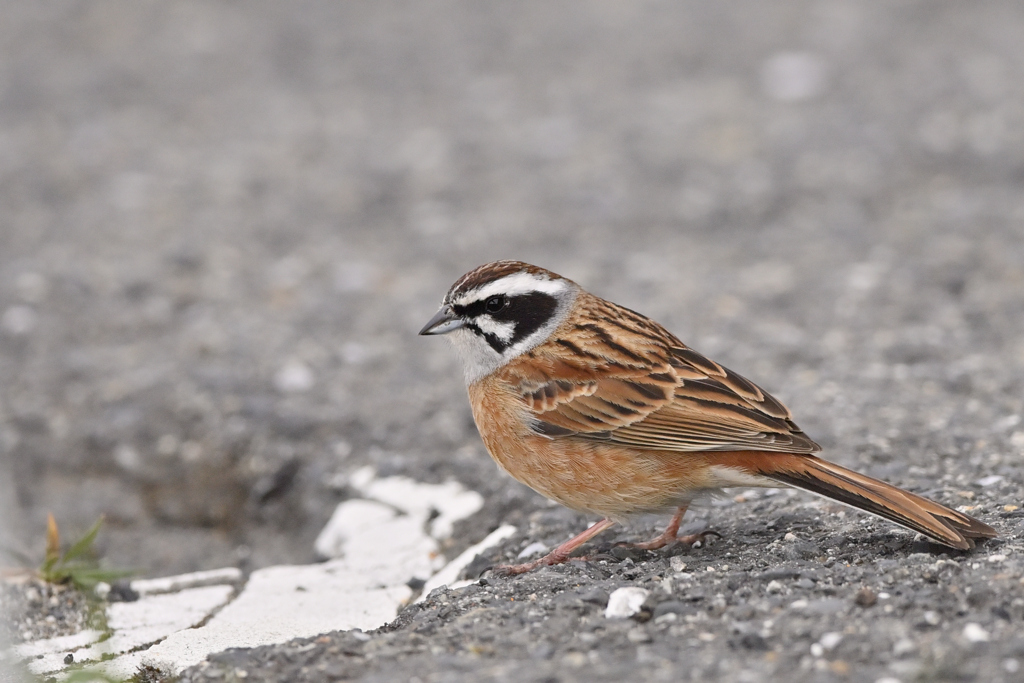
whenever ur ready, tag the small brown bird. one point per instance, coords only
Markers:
(603, 410)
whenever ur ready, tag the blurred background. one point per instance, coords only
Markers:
(222, 224)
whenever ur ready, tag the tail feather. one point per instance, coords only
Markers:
(907, 509)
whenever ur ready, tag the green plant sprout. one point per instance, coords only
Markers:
(78, 564)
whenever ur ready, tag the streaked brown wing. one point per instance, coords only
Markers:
(688, 403)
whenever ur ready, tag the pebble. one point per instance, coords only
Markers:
(865, 597)
(903, 646)
(830, 640)
(535, 548)
(974, 633)
(294, 377)
(677, 564)
(625, 602)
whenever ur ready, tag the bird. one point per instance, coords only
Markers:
(606, 412)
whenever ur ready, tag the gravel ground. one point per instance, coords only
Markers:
(224, 222)
(34, 609)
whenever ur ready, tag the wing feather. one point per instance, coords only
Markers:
(637, 387)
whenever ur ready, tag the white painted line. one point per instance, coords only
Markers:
(450, 500)
(277, 605)
(170, 584)
(448, 575)
(61, 644)
(145, 621)
(380, 542)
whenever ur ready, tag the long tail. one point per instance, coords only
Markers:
(907, 509)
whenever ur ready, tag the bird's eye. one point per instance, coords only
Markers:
(495, 304)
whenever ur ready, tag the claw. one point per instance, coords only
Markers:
(697, 540)
(692, 540)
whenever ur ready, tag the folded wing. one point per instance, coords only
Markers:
(683, 403)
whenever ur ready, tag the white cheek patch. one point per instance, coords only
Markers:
(477, 356)
(517, 283)
(489, 325)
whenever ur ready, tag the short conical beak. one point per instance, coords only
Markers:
(443, 322)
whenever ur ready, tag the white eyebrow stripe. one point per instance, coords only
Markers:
(489, 325)
(517, 283)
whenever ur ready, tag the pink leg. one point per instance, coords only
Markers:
(668, 536)
(559, 554)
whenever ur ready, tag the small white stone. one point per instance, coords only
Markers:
(677, 564)
(903, 646)
(974, 633)
(990, 480)
(888, 679)
(830, 640)
(534, 548)
(294, 377)
(932, 618)
(817, 650)
(1011, 665)
(996, 558)
(102, 590)
(774, 587)
(790, 536)
(625, 602)
(127, 458)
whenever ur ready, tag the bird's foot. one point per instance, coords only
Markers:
(697, 540)
(693, 540)
(546, 561)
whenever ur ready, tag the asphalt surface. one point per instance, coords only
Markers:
(223, 224)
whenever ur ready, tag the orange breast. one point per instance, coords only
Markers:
(582, 474)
